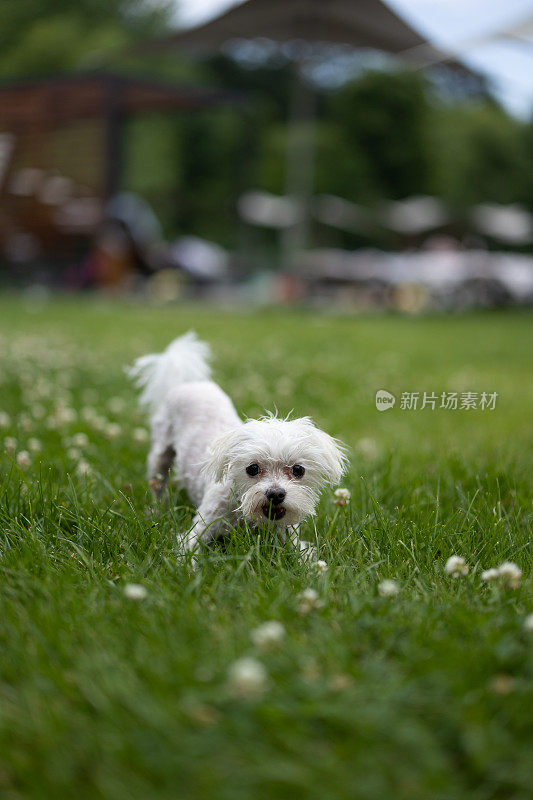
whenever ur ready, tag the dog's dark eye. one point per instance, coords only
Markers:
(252, 470)
(298, 471)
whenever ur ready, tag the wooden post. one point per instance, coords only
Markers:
(113, 151)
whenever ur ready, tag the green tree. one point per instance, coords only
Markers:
(479, 154)
(385, 117)
(59, 36)
(340, 167)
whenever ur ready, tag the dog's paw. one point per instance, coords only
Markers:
(187, 559)
(156, 484)
(308, 552)
(188, 551)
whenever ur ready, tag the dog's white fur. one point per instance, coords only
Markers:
(196, 430)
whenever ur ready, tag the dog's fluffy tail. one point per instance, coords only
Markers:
(186, 359)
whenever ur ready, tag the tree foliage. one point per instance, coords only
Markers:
(54, 36)
(382, 135)
(387, 113)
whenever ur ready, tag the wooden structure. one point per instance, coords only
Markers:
(61, 155)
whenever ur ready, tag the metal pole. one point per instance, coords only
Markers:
(300, 163)
(113, 138)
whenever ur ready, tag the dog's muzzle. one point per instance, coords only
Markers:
(273, 512)
(273, 508)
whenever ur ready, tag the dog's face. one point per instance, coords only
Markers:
(277, 467)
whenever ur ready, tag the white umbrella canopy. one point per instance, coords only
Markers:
(268, 210)
(512, 224)
(414, 215)
(342, 214)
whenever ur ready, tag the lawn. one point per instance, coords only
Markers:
(424, 694)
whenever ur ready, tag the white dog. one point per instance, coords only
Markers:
(267, 471)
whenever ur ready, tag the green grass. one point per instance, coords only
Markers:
(420, 696)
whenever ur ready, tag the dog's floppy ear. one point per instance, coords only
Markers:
(219, 457)
(326, 454)
(332, 460)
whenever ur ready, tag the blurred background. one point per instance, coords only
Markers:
(353, 154)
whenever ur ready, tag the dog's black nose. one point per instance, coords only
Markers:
(276, 496)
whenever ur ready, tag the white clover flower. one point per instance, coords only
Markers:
(65, 415)
(23, 459)
(25, 422)
(339, 683)
(140, 435)
(528, 623)
(116, 405)
(73, 453)
(309, 601)
(34, 445)
(10, 444)
(311, 595)
(388, 588)
(510, 573)
(247, 677)
(268, 635)
(43, 389)
(311, 672)
(135, 591)
(342, 497)
(80, 440)
(502, 684)
(368, 448)
(88, 413)
(320, 566)
(38, 411)
(5, 420)
(112, 430)
(83, 467)
(456, 566)
(98, 423)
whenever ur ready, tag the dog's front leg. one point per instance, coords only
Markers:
(204, 528)
(307, 551)
(209, 520)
